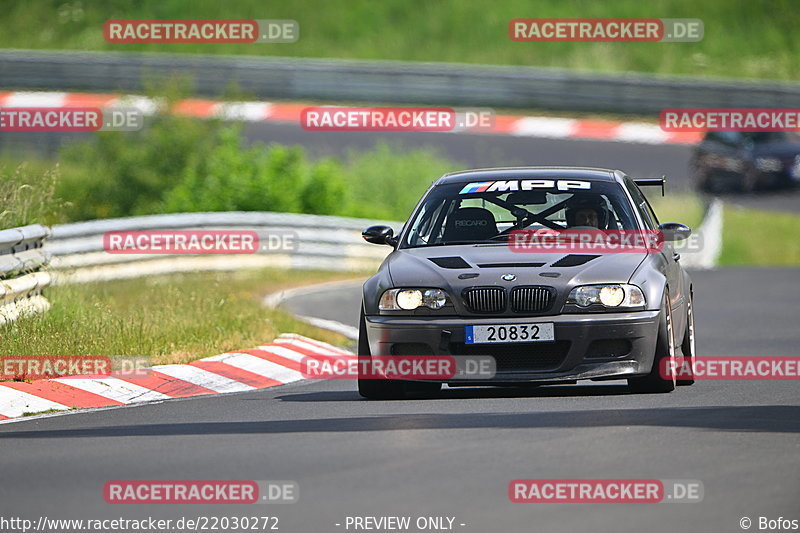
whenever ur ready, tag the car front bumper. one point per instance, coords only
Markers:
(587, 346)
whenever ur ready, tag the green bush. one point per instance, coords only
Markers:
(127, 173)
(276, 178)
(177, 164)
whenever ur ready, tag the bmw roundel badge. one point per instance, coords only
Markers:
(509, 277)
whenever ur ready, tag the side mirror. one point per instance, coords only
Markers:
(379, 235)
(675, 231)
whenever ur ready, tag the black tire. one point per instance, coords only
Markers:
(688, 348)
(375, 389)
(665, 351)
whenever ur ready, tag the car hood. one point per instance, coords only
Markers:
(460, 266)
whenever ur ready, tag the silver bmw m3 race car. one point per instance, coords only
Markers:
(556, 274)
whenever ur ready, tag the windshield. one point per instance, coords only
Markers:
(481, 212)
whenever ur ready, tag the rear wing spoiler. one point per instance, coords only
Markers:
(652, 182)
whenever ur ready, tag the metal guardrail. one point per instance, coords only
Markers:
(21, 276)
(321, 242)
(388, 81)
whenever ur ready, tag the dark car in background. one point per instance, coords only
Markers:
(745, 162)
(454, 286)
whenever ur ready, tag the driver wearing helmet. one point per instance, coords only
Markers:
(587, 211)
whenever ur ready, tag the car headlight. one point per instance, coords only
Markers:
(410, 299)
(610, 296)
(769, 164)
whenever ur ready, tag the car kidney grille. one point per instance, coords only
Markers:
(531, 299)
(485, 299)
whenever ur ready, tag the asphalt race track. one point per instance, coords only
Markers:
(452, 456)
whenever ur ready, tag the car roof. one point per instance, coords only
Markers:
(505, 173)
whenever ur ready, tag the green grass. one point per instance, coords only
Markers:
(761, 238)
(171, 319)
(28, 193)
(46, 412)
(743, 39)
(684, 208)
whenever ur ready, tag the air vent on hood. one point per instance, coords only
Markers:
(510, 265)
(574, 260)
(450, 262)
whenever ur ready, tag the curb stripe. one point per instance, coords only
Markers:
(556, 128)
(267, 366)
(315, 348)
(289, 337)
(249, 111)
(172, 387)
(195, 108)
(515, 125)
(61, 393)
(89, 100)
(280, 355)
(271, 367)
(285, 112)
(314, 353)
(204, 378)
(253, 379)
(14, 403)
(113, 388)
(595, 129)
(35, 99)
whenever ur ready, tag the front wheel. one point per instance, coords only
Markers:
(664, 360)
(688, 347)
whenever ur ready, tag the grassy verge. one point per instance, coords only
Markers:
(742, 38)
(762, 238)
(684, 208)
(28, 193)
(171, 319)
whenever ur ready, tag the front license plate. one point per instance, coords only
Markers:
(539, 332)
